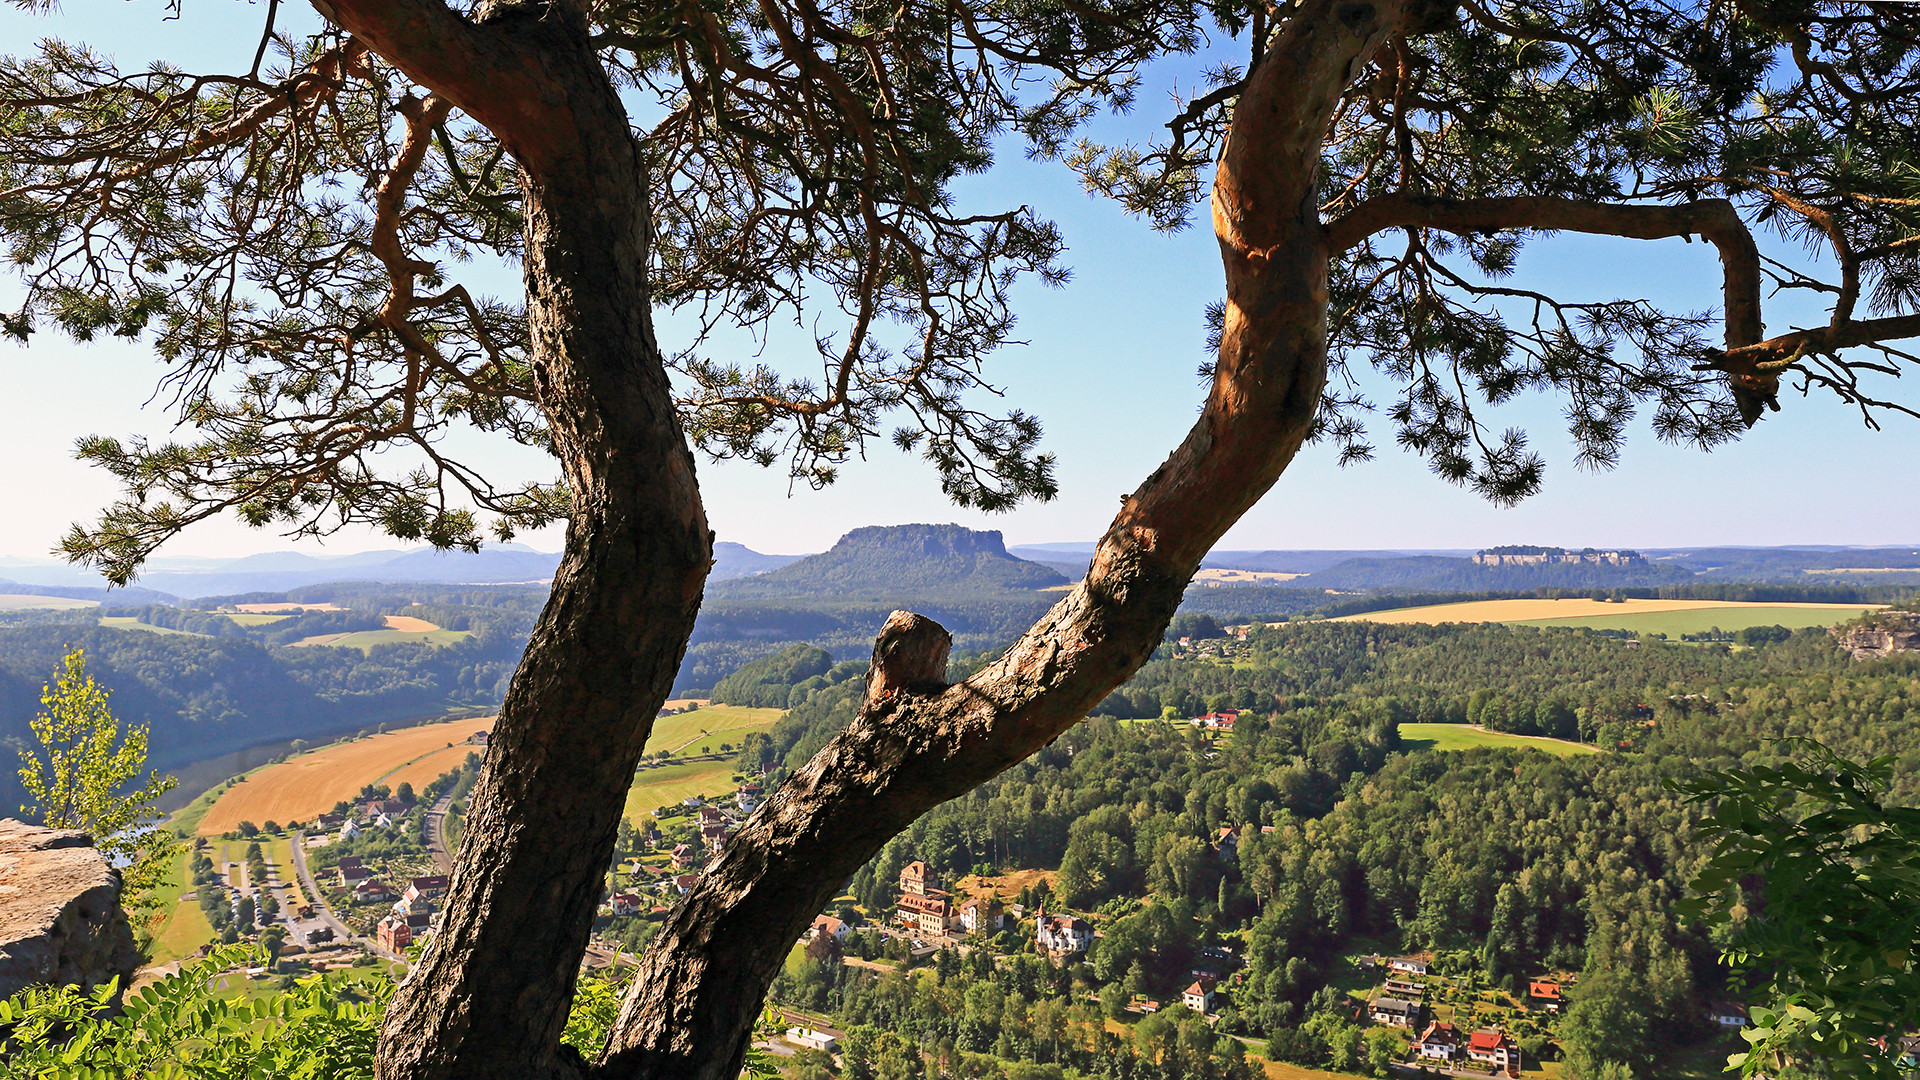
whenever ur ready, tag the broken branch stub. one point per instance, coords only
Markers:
(910, 653)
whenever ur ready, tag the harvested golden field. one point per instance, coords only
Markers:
(1584, 608)
(310, 784)
(409, 624)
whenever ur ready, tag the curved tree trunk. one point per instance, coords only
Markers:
(492, 993)
(690, 1011)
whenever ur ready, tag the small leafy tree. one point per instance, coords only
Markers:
(76, 777)
(1815, 882)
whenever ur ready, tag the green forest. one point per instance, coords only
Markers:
(1507, 865)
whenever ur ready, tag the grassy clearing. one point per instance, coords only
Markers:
(1005, 886)
(128, 622)
(302, 787)
(709, 726)
(1623, 615)
(1280, 1070)
(180, 927)
(1693, 621)
(364, 640)
(23, 602)
(669, 784)
(1462, 737)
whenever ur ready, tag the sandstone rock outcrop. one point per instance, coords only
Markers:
(60, 914)
(1881, 634)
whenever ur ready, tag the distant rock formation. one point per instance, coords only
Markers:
(1883, 633)
(1527, 555)
(60, 914)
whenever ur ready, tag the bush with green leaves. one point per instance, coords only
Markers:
(1814, 884)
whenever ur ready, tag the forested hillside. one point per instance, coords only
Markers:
(207, 685)
(1507, 864)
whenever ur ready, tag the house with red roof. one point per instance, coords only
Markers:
(1496, 1048)
(1439, 1042)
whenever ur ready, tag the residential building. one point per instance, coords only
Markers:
(832, 927)
(419, 905)
(682, 856)
(982, 915)
(349, 830)
(685, 882)
(748, 798)
(1061, 934)
(370, 891)
(1199, 996)
(1440, 1041)
(625, 903)
(711, 815)
(1544, 996)
(928, 914)
(1394, 1012)
(1496, 1048)
(1228, 842)
(914, 878)
(394, 934)
(1217, 721)
(1401, 988)
(1416, 964)
(431, 887)
(479, 738)
(353, 875)
(713, 837)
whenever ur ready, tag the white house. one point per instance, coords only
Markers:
(1413, 965)
(1727, 1014)
(832, 927)
(1061, 933)
(982, 915)
(1440, 1042)
(1199, 996)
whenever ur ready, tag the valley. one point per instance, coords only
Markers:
(1271, 811)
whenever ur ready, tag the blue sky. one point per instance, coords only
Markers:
(1110, 369)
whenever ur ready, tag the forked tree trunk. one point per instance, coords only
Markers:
(491, 997)
(492, 994)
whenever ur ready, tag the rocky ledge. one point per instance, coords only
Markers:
(1882, 634)
(60, 914)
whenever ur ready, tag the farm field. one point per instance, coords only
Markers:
(128, 622)
(399, 628)
(310, 784)
(708, 726)
(1654, 616)
(1212, 576)
(669, 784)
(1462, 737)
(1696, 620)
(22, 602)
(254, 618)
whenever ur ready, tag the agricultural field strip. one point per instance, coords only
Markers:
(23, 601)
(1467, 737)
(1557, 612)
(312, 783)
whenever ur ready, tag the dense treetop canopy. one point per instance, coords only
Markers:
(295, 239)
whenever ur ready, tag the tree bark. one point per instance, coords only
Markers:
(491, 996)
(689, 1013)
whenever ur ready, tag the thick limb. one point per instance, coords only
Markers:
(690, 1010)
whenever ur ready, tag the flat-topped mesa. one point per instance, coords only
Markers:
(60, 915)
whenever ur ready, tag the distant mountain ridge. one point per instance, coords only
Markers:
(167, 580)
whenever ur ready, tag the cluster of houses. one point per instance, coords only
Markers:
(932, 911)
(374, 813)
(1441, 1043)
(716, 821)
(413, 909)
